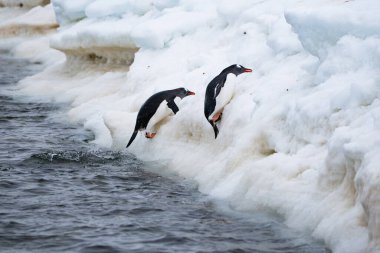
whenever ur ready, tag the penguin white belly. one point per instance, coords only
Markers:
(225, 94)
(162, 112)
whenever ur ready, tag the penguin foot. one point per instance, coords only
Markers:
(150, 135)
(217, 117)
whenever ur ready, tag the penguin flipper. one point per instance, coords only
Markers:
(218, 88)
(172, 105)
(216, 130)
(132, 138)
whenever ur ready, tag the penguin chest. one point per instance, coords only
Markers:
(162, 112)
(225, 95)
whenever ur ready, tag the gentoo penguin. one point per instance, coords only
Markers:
(219, 93)
(156, 108)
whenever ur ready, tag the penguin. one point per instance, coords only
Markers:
(156, 108)
(219, 92)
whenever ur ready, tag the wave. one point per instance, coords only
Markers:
(85, 157)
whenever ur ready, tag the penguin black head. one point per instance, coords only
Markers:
(236, 69)
(182, 92)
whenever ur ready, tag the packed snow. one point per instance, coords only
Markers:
(23, 3)
(301, 136)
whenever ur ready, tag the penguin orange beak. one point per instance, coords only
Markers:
(247, 70)
(190, 93)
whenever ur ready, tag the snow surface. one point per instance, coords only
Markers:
(300, 137)
(21, 31)
(23, 3)
(24, 22)
(44, 14)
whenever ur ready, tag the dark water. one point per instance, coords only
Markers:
(57, 194)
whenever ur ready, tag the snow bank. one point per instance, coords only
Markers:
(26, 31)
(301, 136)
(38, 20)
(23, 3)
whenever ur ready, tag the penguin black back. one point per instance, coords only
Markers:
(212, 91)
(149, 108)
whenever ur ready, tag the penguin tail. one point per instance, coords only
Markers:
(216, 130)
(132, 137)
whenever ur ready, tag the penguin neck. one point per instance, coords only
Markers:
(228, 73)
(230, 78)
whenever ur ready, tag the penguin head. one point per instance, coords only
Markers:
(237, 69)
(182, 92)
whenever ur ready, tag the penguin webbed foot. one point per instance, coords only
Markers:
(150, 135)
(217, 117)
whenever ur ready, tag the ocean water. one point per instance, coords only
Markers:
(58, 193)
